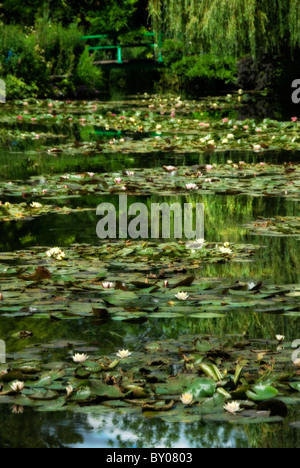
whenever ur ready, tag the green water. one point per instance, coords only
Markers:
(277, 262)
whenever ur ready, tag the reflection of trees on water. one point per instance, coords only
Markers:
(276, 435)
(38, 430)
(61, 430)
(139, 432)
(131, 431)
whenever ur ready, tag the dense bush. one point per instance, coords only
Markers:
(61, 46)
(203, 72)
(47, 59)
(17, 88)
(87, 74)
(207, 67)
(21, 56)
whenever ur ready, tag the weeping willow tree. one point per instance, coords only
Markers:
(234, 27)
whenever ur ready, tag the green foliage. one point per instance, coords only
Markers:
(88, 74)
(61, 46)
(16, 88)
(31, 59)
(21, 56)
(207, 67)
(172, 51)
(114, 16)
(41, 45)
(243, 27)
(105, 15)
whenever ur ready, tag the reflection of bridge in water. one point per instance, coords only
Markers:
(109, 42)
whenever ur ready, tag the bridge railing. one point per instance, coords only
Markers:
(156, 44)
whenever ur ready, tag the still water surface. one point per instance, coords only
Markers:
(278, 262)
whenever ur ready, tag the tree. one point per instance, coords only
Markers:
(106, 15)
(237, 27)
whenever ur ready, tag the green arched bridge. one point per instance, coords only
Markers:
(106, 42)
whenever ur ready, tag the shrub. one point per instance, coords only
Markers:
(18, 89)
(61, 46)
(207, 67)
(87, 73)
(172, 51)
(21, 57)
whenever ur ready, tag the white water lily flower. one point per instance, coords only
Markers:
(182, 296)
(118, 180)
(17, 386)
(280, 338)
(187, 399)
(123, 354)
(225, 141)
(225, 250)
(107, 285)
(230, 136)
(56, 253)
(36, 205)
(69, 390)
(191, 187)
(80, 358)
(233, 407)
(130, 173)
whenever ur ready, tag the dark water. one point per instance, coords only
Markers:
(278, 262)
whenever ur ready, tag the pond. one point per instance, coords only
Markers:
(230, 337)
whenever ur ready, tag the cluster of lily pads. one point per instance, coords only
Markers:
(132, 281)
(122, 281)
(28, 211)
(261, 179)
(164, 124)
(230, 380)
(278, 226)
